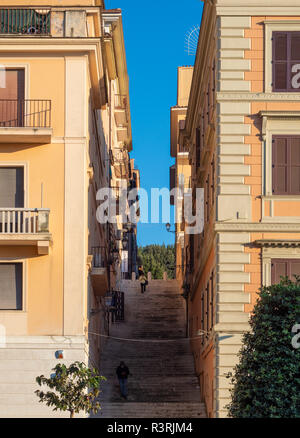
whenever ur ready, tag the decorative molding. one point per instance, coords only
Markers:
(269, 243)
(256, 10)
(277, 115)
(256, 227)
(244, 97)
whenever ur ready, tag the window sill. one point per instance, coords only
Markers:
(287, 198)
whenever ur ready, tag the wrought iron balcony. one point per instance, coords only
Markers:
(29, 113)
(58, 22)
(25, 21)
(99, 256)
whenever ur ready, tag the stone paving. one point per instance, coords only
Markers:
(163, 382)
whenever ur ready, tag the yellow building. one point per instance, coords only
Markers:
(64, 111)
(180, 172)
(242, 133)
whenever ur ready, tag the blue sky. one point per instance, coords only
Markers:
(155, 46)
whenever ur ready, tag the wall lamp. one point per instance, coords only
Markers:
(168, 228)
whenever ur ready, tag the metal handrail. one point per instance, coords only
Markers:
(25, 21)
(30, 113)
(99, 256)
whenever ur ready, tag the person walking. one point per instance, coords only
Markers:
(123, 373)
(142, 279)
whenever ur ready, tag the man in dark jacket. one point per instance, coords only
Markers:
(123, 373)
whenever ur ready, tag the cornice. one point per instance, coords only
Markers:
(204, 46)
(258, 7)
(244, 97)
(257, 227)
(269, 243)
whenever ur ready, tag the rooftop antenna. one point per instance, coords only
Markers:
(191, 40)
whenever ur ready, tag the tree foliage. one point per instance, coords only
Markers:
(75, 388)
(157, 259)
(266, 381)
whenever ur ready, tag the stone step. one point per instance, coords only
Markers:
(125, 409)
(163, 383)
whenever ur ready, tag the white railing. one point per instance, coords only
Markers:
(24, 220)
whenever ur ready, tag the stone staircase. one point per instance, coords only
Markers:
(163, 382)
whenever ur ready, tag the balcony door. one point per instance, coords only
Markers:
(12, 98)
(11, 187)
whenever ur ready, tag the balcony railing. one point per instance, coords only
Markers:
(24, 220)
(30, 113)
(183, 148)
(99, 256)
(120, 101)
(25, 21)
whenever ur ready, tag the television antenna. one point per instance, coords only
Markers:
(191, 40)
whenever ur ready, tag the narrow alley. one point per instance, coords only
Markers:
(163, 382)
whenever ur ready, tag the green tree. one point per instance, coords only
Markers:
(75, 388)
(266, 381)
(157, 259)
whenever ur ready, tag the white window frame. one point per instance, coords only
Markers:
(25, 166)
(9, 65)
(276, 123)
(275, 253)
(270, 27)
(24, 285)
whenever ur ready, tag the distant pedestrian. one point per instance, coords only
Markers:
(143, 279)
(123, 373)
(141, 270)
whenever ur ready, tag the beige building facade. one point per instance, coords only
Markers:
(242, 133)
(64, 111)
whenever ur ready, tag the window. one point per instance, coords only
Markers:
(11, 290)
(12, 98)
(212, 299)
(207, 198)
(207, 308)
(172, 183)
(284, 268)
(11, 187)
(202, 316)
(198, 147)
(286, 61)
(286, 165)
(192, 251)
(212, 166)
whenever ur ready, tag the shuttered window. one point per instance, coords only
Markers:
(202, 316)
(192, 251)
(172, 183)
(198, 147)
(11, 289)
(207, 313)
(284, 268)
(286, 165)
(286, 61)
(207, 198)
(212, 299)
(11, 187)
(212, 165)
